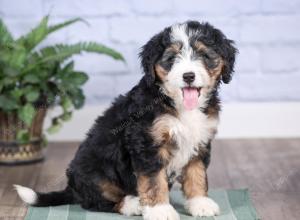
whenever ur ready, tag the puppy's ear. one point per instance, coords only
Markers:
(224, 47)
(151, 53)
(228, 52)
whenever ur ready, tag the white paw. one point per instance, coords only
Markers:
(202, 206)
(131, 206)
(160, 212)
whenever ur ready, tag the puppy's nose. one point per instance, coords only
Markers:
(188, 77)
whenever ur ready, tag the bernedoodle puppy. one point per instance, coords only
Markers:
(158, 133)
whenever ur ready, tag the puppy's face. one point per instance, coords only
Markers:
(191, 59)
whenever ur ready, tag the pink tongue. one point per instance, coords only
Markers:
(190, 98)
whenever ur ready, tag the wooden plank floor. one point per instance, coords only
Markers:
(270, 168)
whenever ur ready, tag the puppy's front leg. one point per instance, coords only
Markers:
(195, 189)
(154, 197)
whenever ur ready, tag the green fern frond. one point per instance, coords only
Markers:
(61, 52)
(36, 35)
(13, 55)
(5, 35)
(56, 27)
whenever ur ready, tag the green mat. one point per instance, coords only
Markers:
(234, 205)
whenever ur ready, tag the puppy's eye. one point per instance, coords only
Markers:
(203, 54)
(210, 58)
(209, 55)
(167, 61)
(170, 58)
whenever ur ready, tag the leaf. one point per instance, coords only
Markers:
(54, 128)
(1, 85)
(61, 52)
(68, 68)
(66, 116)
(8, 103)
(5, 35)
(14, 57)
(50, 98)
(23, 136)
(39, 33)
(56, 27)
(36, 35)
(31, 78)
(26, 114)
(18, 58)
(8, 81)
(44, 140)
(32, 95)
(9, 71)
(77, 78)
(16, 93)
(78, 98)
(66, 103)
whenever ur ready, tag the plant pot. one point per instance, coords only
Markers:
(13, 152)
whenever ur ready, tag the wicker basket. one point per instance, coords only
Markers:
(12, 152)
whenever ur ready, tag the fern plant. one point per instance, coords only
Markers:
(32, 78)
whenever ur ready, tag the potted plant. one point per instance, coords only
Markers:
(34, 79)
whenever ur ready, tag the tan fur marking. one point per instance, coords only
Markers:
(110, 191)
(200, 46)
(160, 131)
(165, 153)
(161, 72)
(175, 47)
(153, 190)
(161, 134)
(194, 179)
(119, 205)
(218, 69)
(215, 73)
(213, 112)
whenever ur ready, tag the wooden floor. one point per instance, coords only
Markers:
(269, 168)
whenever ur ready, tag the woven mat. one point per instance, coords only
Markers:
(234, 205)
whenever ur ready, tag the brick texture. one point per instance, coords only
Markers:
(267, 33)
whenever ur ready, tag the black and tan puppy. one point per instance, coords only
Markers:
(158, 133)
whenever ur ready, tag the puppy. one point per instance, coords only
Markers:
(158, 133)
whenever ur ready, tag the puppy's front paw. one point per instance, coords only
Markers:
(202, 206)
(131, 206)
(160, 212)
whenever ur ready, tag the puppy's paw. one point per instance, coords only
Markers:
(202, 206)
(131, 206)
(160, 212)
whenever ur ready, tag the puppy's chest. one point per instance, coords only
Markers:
(189, 131)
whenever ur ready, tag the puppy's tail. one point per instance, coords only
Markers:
(45, 199)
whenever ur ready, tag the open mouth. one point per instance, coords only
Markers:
(191, 90)
(190, 97)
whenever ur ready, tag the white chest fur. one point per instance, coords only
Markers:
(189, 130)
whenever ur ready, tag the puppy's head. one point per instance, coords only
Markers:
(188, 61)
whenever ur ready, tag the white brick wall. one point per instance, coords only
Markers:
(267, 32)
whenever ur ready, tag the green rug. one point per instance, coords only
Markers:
(234, 204)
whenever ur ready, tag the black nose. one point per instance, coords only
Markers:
(189, 77)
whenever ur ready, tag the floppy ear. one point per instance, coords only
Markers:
(151, 53)
(228, 52)
(224, 47)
